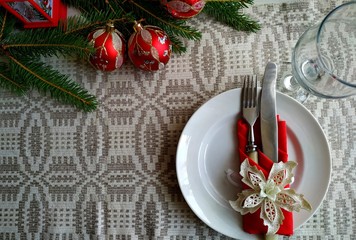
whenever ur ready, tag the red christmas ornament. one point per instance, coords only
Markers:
(184, 8)
(110, 48)
(149, 47)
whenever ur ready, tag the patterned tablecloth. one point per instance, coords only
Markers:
(110, 174)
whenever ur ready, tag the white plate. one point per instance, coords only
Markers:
(207, 147)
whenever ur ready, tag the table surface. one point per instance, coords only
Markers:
(110, 174)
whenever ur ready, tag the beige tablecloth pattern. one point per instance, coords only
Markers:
(110, 174)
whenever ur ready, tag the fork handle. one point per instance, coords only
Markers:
(251, 147)
(254, 156)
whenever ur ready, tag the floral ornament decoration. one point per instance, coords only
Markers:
(149, 48)
(269, 195)
(183, 9)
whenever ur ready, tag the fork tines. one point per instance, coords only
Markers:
(250, 112)
(250, 93)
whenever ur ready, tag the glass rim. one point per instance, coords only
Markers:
(318, 41)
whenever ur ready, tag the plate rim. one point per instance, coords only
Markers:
(279, 94)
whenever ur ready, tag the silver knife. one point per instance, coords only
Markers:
(269, 127)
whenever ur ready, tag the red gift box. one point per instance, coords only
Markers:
(36, 13)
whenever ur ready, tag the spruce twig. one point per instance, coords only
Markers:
(10, 83)
(228, 12)
(21, 68)
(46, 79)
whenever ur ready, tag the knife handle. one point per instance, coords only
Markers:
(254, 156)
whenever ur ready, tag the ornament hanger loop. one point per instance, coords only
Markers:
(137, 26)
(110, 26)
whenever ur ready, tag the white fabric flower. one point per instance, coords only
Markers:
(269, 194)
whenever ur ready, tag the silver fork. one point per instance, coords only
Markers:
(250, 112)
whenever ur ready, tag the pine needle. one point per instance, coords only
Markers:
(10, 82)
(45, 42)
(230, 14)
(21, 51)
(47, 80)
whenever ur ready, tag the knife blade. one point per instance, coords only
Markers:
(268, 119)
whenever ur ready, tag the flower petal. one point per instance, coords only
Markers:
(269, 194)
(272, 216)
(281, 173)
(292, 201)
(243, 207)
(253, 200)
(251, 176)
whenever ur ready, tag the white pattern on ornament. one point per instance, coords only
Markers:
(184, 7)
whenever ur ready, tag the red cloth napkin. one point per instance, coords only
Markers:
(252, 223)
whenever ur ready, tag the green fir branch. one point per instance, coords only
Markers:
(47, 80)
(89, 6)
(153, 14)
(172, 26)
(87, 22)
(7, 23)
(177, 45)
(21, 50)
(46, 42)
(230, 14)
(238, 3)
(3, 23)
(10, 81)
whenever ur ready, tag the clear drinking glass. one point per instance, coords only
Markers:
(324, 58)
